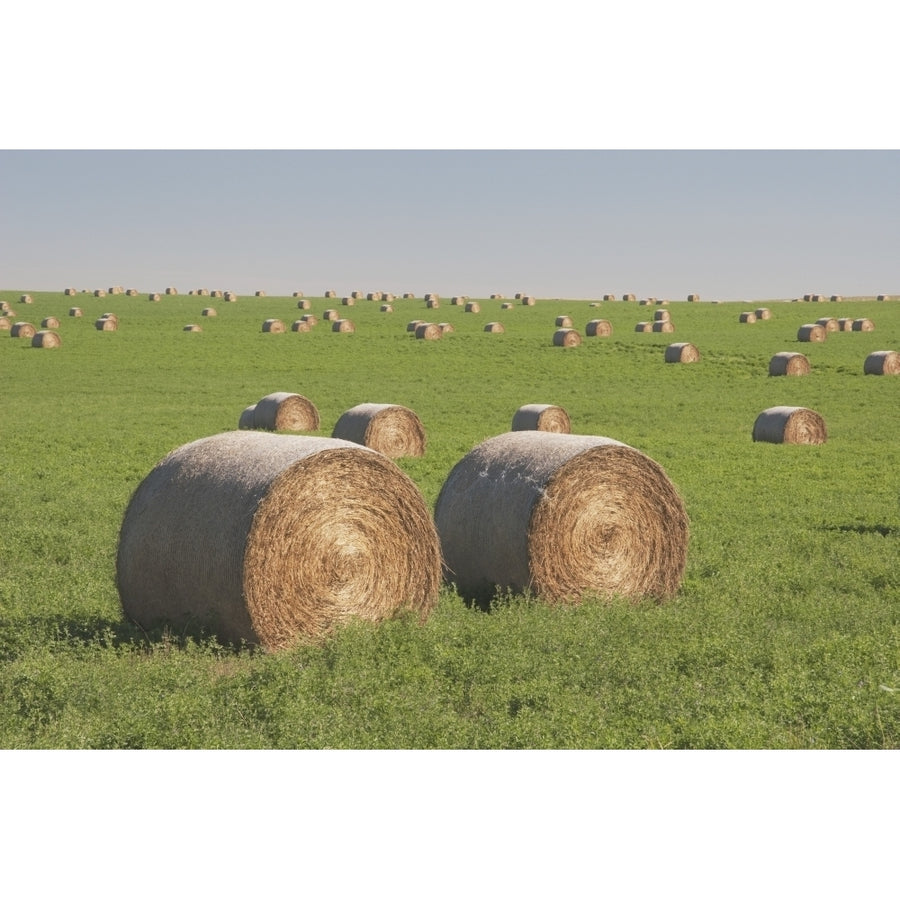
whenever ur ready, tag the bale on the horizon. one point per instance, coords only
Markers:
(281, 411)
(260, 293)
(541, 417)
(682, 353)
(836, 298)
(99, 292)
(629, 298)
(230, 297)
(693, 298)
(70, 292)
(882, 362)
(561, 516)
(609, 298)
(171, 291)
(598, 328)
(329, 295)
(789, 425)
(811, 333)
(388, 428)
(789, 363)
(883, 297)
(528, 300)
(297, 294)
(566, 337)
(348, 301)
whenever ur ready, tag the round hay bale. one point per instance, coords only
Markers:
(171, 291)
(70, 292)
(609, 298)
(330, 315)
(273, 539)
(99, 292)
(472, 307)
(304, 304)
(106, 323)
(566, 337)
(310, 320)
(433, 304)
(388, 428)
(230, 297)
(356, 295)
(248, 417)
(598, 328)
(561, 515)
(456, 301)
(817, 298)
(883, 297)
(412, 326)
(4, 306)
(446, 327)
(807, 298)
(748, 317)
(662, 302)
(153, 298)
(662, 315)
(192, 327)
(386, 307)
(788, 363)
(496, 296)
(283, 411)
(26, 298)
(528, 301)
(428, 331)
(260, 294)
(682, 353)
(836, 298)
(209, 311)
(273, 326)
(131, 292)
(431, 296)
(344, 326)
(863, 325)
(563, 321)
(645, 302)
(348, 301)
(643, 327)
(541, 417)
(494, 328)
(663, 327)
(298, 294)
(693, 298)
(330, 295)
(5, 323)
(506, 305)
(629, 298)
(811, 333)
(763, 313)
(789, 425)
(109, 315)
(882, 362)
(203, 292)
(408, 296)
(216, 294)
(299, 325)
(828, 323)
(374, 296)
(75, 312)
(845, 324)
(50, 322)
(22, 330)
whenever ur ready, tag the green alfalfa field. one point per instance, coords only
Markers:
(785, 632)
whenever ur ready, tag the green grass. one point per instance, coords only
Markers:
(785, 632)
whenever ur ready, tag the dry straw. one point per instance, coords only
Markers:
(662, 315)
(5, 323)
(171, 291)
(748, 317)
(330, 295)
(883, 297)
(609, 298)
(344, 326)
(413, 325)
(863, 325)
(472, 307)
(845, 324)
(275, 539)
(273, 326)
(598, 328)
(431, 296)
(763, 313)
(563, 321)
(297, 294)
(230, 297)
(153, 298)
(299, 325)
(392, 430)
(203, 292)
(811, 334)
(693, 298)
(643, 327)
(386, 307)
(75, 311)
(192, 327)
(428, 331)
(356, 295)
(374, 296)
(457, 301)
(22, 330)
(216, 294)
(99, 292)
(446, 327)
(260, 293)
(836, 298)
(209, 311)
(788, 363)
(682, 353)
(528, 301)
(882, 362)
(828, 324)
(433, 304)
(105, 323)
(310, 320)
(494, 328)
(541, 417)
(70, 292)
(561, 515)
(304, 304)
(629, 298)
(26, 298)
(330, 315)
(789, 425)
(50, 322)
(566, 337)
(408, 296)
(281, 411)
(348, 301)
(663, 327)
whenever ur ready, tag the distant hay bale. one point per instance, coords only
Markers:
(883, 297)
(494, 328)
(566, 337)
(106, 324)
(788, 363)
(374, 296)
(192, 327)
(828, 323)
(528, 301)
(202, 292)
(598, 328)
(26, 298)
(863, 325)
(344, 326)
(131, 292)
(50, 322)
(789, 425)
(348, 301)
(431, 296)
(845, 324)
(662, 315)
(230, 297)
(563, 321)
(517, 295)
(386, 307)
(428, 331)
(209, 311)
(763, 313)
(541, 417)
(836, 298)
(629, 298)
(413, 325)
(273, 326)
(5, 323)
(281, 411)
(216, 294)
(330, 315)
(561, 516)
(748, 317)
(643, 327)
(171, 291)
(609, 298)
(446, 327)
(112, 316)
(75, 311)
(663, 327)
(388, 428)
(682, 353)
(300, 325)
(70, 292)
(817, 298)
(260, 294)
(882, 362)
(356, 295)
(304, 304)
(99, 292)
(811, 333)
(298, 294)
(310, 320)
(408, 296)
(153, 298)
(662, 302)
(693, 298)
(457, 301)
(433, 304)
(506, 305)
(275, 539)
(645, 302)
(472, 307)
(22, 330)
(807, 298)
(329, 295)
(115, 290)
(496, 296)
(4, 306)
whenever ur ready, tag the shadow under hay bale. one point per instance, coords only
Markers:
(281, 411)
(561, 515)
(789, 425)
(275, 539)
(682, 353)
(388, 428)
(541, 417)
(788, 363)
(882, 362)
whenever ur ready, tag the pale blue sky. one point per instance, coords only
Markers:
(727, 224)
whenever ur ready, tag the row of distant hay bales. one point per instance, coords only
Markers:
(817, 331)
(834, 298)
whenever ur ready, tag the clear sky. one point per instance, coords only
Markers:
(726, 224)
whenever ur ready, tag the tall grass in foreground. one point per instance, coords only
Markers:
(784, 634)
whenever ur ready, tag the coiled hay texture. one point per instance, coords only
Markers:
(541, 417)
(273, 326)
(275, 539)
(748, 317)
(882, 362)
(494, 328)
(763, 313)
(563, 321)
(300, 325)
(304, 304)
(863, 325)
(433, 304)
(23, 330)
(566, 337)
(789, 425)
(662, 315)
(282, 411)
(392, 430)
(209, 311)
(561, 515)
(192, 327)
(472, 307)
(787, 363)
(682, 353)
(428, 331)
(76, 312)
(330, 315)
(598, 328)
(26, 298)
(528, 300)
(662, 327)
(828, 323)
(344, 326)
(811, 334)
(643, 327)
(49, 339)
(50, 322)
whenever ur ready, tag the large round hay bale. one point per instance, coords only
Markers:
(4, 306)
(472, 307)
(863, 325)
(273, 326)
(99, 292)
(433, 304)
(356, 295)
(386, 308)
(811, 334)
(609, 298)
(748, 317)
(883, 297)
(561, 515)
(202, 292)
(388, 428)
(70, 292)
(230, 297)
(5, 323)
(629, 298)
(209, 311)
(828, 324)
(374, 296)
(682, 353)
(413, 325)
(817, 298)
(310, 320)
(50, 322)
(763, 313)
(153, 298)
(106, 323)
(260, 293)
(663, 327)
(456, 301)
(192, 327)
(836, 298)
(845, 324)
(496, 296)
(788, 363)
(446, 327)
(300, 326)
(432, 296)
(298, 294)
(272, 539)
(528, 300)
(598, 328)
(882, 362)
(789, 425)
(662, 315)
(26, 298)
(344, 326)
(304, 304)
(566, 337)
(409, 296)
(282, 411)
(171, 291)
(428, 331)
(506, 305)
(643, 327)
(49, 339)
(75, 312)
(541, 417)
(22, 330)
(563, 321)
(348, 301)
(693, 298)
(216, 294)
(494, 328)
(330, 295)
(645, 302)
(330, 315)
